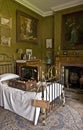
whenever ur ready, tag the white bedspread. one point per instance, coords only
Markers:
(20, 102)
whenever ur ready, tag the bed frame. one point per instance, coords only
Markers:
(6, 63)
(7, 66)
(46, 106)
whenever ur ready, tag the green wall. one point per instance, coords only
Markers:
(45, 30)
(48, 27)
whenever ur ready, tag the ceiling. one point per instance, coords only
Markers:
(47, 7)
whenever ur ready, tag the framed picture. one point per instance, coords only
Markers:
(26, 27)
(49, 43)
(29, 53)
(5, 41)
(72, 31)
(5, 31)
(6, 22)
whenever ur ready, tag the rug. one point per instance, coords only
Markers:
(69, 117)
(76, 94)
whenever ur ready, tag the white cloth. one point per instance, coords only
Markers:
(17, 101)
(20, 102)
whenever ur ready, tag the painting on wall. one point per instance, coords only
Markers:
(72, 31)
(5, 41)
(49, 43)
(26, 27)
(7, 22)
(5, 31)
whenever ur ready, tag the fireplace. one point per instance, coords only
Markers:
(72, 76)
(70, 70)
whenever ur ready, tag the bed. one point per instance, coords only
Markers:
(22, 102)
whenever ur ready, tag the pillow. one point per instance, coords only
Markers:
(8, 76)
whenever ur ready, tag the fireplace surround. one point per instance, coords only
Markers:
(70, 68)
(72, 76)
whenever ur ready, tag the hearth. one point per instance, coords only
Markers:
(73, 75)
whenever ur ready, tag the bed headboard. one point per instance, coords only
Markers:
(6, 63)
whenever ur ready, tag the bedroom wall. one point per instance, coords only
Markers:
(45, 30)
(49, 27)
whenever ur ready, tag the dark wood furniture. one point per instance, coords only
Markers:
(34, 63)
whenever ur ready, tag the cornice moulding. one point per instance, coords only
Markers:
(53, 9)
(68, 5)
(30, 6)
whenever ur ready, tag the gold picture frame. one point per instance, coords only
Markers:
(5, 30)
(5, 21)
(26, 27)
(72, 31)
(5, 41)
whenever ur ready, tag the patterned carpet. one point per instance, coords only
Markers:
(69, 117)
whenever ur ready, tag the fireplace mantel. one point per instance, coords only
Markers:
(67, 61)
